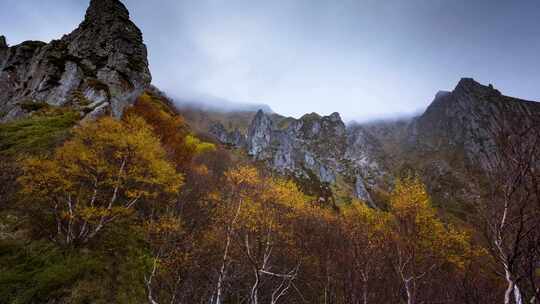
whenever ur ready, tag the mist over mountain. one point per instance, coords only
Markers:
(215, 104)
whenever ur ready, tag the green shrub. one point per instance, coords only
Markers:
(111, 270)
(37, 133)
(39, 271)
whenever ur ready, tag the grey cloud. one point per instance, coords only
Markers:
(364, 58)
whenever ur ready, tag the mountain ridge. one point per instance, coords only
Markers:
(367, 156)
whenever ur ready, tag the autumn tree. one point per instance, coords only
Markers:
(257, 214)
(98, 177)
(170, 127)
(167, 239)
(421, 243)
(365, 240)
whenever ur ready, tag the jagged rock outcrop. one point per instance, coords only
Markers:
(313, 147)
(101, 67)
(3, 43)
(454, 135)
(232, 138)
(467, 120)
(259, 135)
(454, 141)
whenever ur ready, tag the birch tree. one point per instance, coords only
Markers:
(98, 177)
(511, 208)
(421, 243)
(365, 243)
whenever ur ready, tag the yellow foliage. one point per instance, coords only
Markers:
(198, 146)
(107, 168)
(243, 176)
(418, 231)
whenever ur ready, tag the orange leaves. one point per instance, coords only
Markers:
(170, 128)
(243, 176)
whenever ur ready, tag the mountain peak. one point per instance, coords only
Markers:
(466, 81)
(469, 85)
(3, 42)
(335, 117)
(106, 10)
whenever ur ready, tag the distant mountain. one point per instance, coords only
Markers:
(100, 67)
(467, 120)
(444, 145)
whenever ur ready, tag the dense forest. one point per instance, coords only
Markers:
(142, 209)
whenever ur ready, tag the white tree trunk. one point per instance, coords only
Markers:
(409, 290)
(512, 288)
(223, 271)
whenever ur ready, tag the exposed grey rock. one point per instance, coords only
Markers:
(99, 111)
(284, 157)
(362, 192)
(314, 146)
(234, 138)
(219, 131)
(455, 132)
(104, 59)
(466, 121)
(366, 154)
(259, 135)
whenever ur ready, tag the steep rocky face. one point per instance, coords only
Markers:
(467, 120)
(259, 135)
(454, 140)
(367, 155)
(454, 135)
(314, 147)
(100, 68)
(232, 138)
(3, 43)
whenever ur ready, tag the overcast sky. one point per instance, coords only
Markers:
(363, 58)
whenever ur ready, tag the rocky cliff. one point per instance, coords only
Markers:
(314, 146)
(99, 68)
(449, 140)
(468, 119)
(455, 139)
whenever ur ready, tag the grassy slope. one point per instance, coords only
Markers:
(37, 271)
(37, 133)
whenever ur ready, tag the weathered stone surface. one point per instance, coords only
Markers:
(313, 146)
(259, 135)
(362, 192)
(234, 138)
(454, 134)
(466, 121)
(104, 60)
